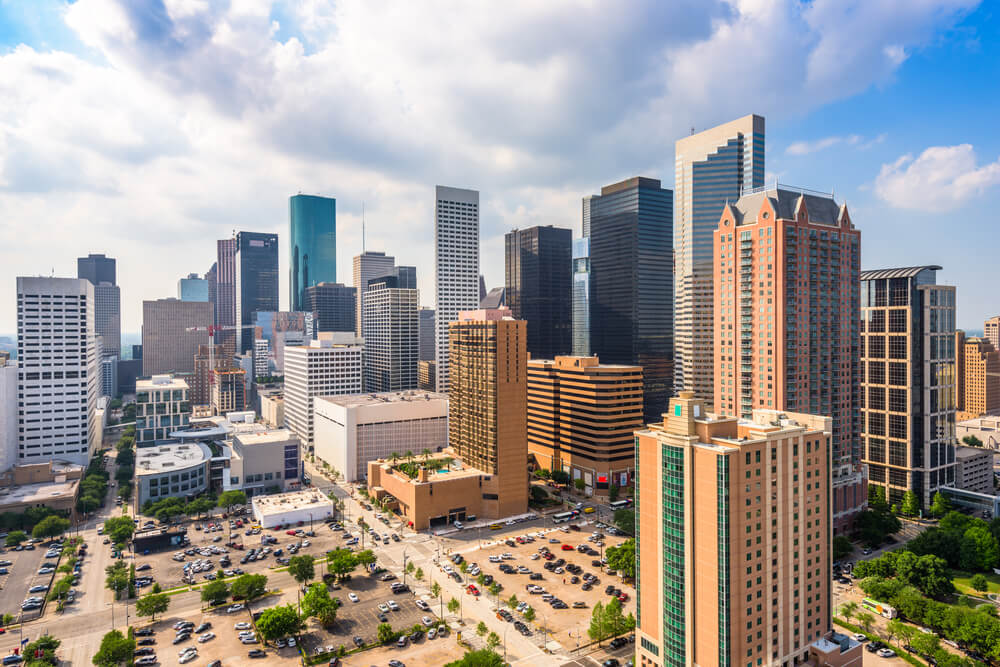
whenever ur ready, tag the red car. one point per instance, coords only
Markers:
(472, 589)
(290, 532)
(566, 547)
(623, 597)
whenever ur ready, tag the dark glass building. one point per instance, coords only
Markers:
(312, 250)
(538, 263)
(96, 268)
(334, 304)
(225, 293)
(632, 284)
(256, 280)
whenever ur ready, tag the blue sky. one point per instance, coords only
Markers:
(147, 129)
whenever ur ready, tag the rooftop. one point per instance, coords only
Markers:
(821, 206)
(295, 500)
(174, 456)
(904, 272)
(971, 452)
(160, 382)
(357, 400)
(36, 494)
(265, 436)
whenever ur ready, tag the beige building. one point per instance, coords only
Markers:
(162, 406)
(734, 534)
(167, 345)
(51, 484)
(987, 429)
(229, 391)
(487, 411)
(979, 365)
(263, 458)
(272, 408)
(974, 469)
(426, 375)
(991, 331)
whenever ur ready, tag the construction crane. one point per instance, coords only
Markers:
(212, 329)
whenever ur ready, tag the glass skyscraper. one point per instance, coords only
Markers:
(312, 250)
(538, 270)
(256, 280)
(581, 296)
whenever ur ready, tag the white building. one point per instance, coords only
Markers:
(328, 366)
(109, 375)
(353, 430)
(456, 265)
(8, 414)
(368, 265)
(263, 458)
(290, 508)
(58, 370)
(392, 336)
(172, 470)
(261, 354)
(162, 406)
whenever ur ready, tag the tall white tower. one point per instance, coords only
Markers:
(456, 265)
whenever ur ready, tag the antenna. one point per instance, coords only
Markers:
(362, 227)
(692, 129)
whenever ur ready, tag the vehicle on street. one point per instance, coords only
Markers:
(235, 608)
(353, 597)
(257, 653)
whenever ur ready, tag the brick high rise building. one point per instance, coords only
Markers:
(980, 370)
(229, 391)
(787, 320)
(201, 381)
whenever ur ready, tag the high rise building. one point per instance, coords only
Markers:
(312, 250)
(335, 305)
(456, 266)
(426, 326)
(991, 331)
(8, 414)
(631, 284)
(327, 366)
(229, 391)
(368, 265)
(980, 371)
(585, 215)
(426, 375)
(391, 335)
(58, 370)
(581, 297)
(225, 293)
(495, 298)
(256, 280)
(97, 269)
(261, 358)
(109, 375)
(283, 339)
(192, 288)
(206, 362)
(101, 271)
(787, 320)
(212, 278)
(487, 404)
(167, 345)
(727, 573)
(581, 415)
(908, 405)
(538, 263)
(271, 323)
(162, 406)
(712, 168)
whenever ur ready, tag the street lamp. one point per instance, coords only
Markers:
(404, 566)
(505, 642)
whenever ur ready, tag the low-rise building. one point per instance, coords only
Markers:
(265, 458)
(352, 430)
(272, 407)
(308, 505)
(985, 429)
(162, 406)
(176, 469)
(974, 469)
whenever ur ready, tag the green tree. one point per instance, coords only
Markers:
(365, 557)
(249, 586)
(152, 604)
(481, 658)
(492, 640)
(529, 614)
(215, 592)
(117, 576)
(512, 601)
(980, 583)
(597, 630)
(47, 644)
(622, 558)
(436, 589)
(302, 568)
(228, 499)
(579, 484)
(341, 562)
(119, 529)
(842, 547)
(866, 620)
(50, 526)
(978, 550)
(911, 506)
(318, 604)
(560, 477)
(940, 505)
(385, 634)
(200, 506)
(410, 567)
(848, 609)
(481, 629)
(87, 503)
(625, 520)
(876, 497)
(116, 649)
(463, 566)
(614, 620)
(453, 605)
(904, 631)
(419, 574)
(972, 441)
(15, 537)
(281, 621)
(494, 588)
(612, 493)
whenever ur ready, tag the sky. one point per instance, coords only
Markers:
(147, 129)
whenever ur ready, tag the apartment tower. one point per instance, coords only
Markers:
(368, 265)
(256, 281)
(487, 405)
(312, 250)
(908, 381)
(712, 168)
(206, 361)
(229, 391)
(456, 266)
(391, 335)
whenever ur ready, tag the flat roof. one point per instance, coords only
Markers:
(172, 456)
(38, 493)
(266, 436)
(356, 400)
(969, 452)
(160, 382)
(294, 500)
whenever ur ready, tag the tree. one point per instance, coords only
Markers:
(481, 658)
(625, 520)
(228, 499)
(410, 567)
(47, 644)
(119, 529)
(15, 537)
(341, 562)
(419, 574)
(597, 630)
(978, 550)
(622, 558)
(579, 484)
(612, 493)
(282, 621)
(115, 650)
(866, 620)
(529, 614)
(494, 588)
(200, 506)
(481, 629)
(972, 441)
(436, 589)
(453, 605)
(842, 547)
(117, 576)
(560, 477)
(876, 497)
(980, 583)
(394, 456)
(512, 601)
(848, 609)
(463, 567)
(249, 586)
(215, 592)
(902, 630)
(87, 503)
(318, 604)
(940, 505)
(385, 633)
(302, 568)
(50, 526)
(152, 604)
(911, 506)
(493, 640)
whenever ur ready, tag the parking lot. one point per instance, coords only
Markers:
(22, 576)
(424, 652)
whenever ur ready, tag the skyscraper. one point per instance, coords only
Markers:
(97, 269)
(101, 271)
(787, 320)
(980, 371)
(335, 306)
(212, 278)
(391, 335)
(368, 265)
(585, 215)
(712, 168)
(426, 324)
(225, 293)
(167, 345)
(58, 370)
(538, 263)
(456, 265)
(631, 284)
(908, 408)
(991, 331)
(8, 413)
(312, 250)
(192, 288)
(206, 362)
(256, 280)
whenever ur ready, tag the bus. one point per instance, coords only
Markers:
(879, 608)
(563, 517)
(620, 504)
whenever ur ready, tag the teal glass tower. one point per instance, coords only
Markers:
(312, 255)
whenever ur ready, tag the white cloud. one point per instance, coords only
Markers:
(942, 178)
(856, 140)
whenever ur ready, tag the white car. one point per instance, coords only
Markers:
(535, 556)
(886, 653)
(495, 559)
(423, 605)
(383, 607)
(242, 625)
(235, 608)
(393, 605)
(249, 640)
(432, 633)
(507, 555)
(146, 660)
(291, 641)
(428, 621)
(353, 597)
(208, 636)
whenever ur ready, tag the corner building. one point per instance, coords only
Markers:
(734, 537)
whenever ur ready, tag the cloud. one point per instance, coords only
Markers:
(856, 140)
(942, 178)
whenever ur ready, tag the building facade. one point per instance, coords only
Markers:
(109, 376)
(102, 273)
(391, 335)
(974, 470)
(225, 293)
(162, 405)
(312, 250)
(979, 368)
(631, 284)
(8, 414)
(456, 266)
(425, 324)
(728, 573)
(991, 331)
(581, 297)
(206, 362)
(167, 344)
(538, 268)
(368, 265)
(229, 391)
(787, 320)
(97, 268)
(335, 306)
(908, 352)
(171, 471)
(985, 429)
(265, 458)
(581, 416)
(487, 411)
(426, 375)
(256, 281)
(58, 370)
(712, 168)
(192, 288)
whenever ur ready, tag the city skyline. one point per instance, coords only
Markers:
(868, 132)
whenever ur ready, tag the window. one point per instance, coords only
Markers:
(897, 426)
(897, 400)
(897, 374)
(876, 398)
(897, 347)
(876, 423)
(897, 321)
(876, 346)
(876, 372)
(876, 450)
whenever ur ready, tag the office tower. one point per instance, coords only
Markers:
(192, 288)
(495, 298)
(991, 331)
(406, 276)
(137, 352)
(58, 370)
(225, 293)
(335, 305)
(538, 267)
(283, 339)
(980, 370)
(487, 416)
(631, 284)
(101, 271)
(206, 362)
(585, 215)
(167, 345)
(327, 366)
(581, 415)
(426, 375)
(212, 278)
(229, 391)
(727, 573)
(908, 380)
(391, 335)
(271, 323)
(162, 406)
(128, 371)
(367, 265)
(261, 358)
(787, 320)
(426, 326)
(581, 297)
(456, 266)
(482, 287)
(312, 250)
(109, 375)
(256, 280)
(712, 168)
(8, 414)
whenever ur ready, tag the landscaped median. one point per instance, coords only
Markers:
(899, 650)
